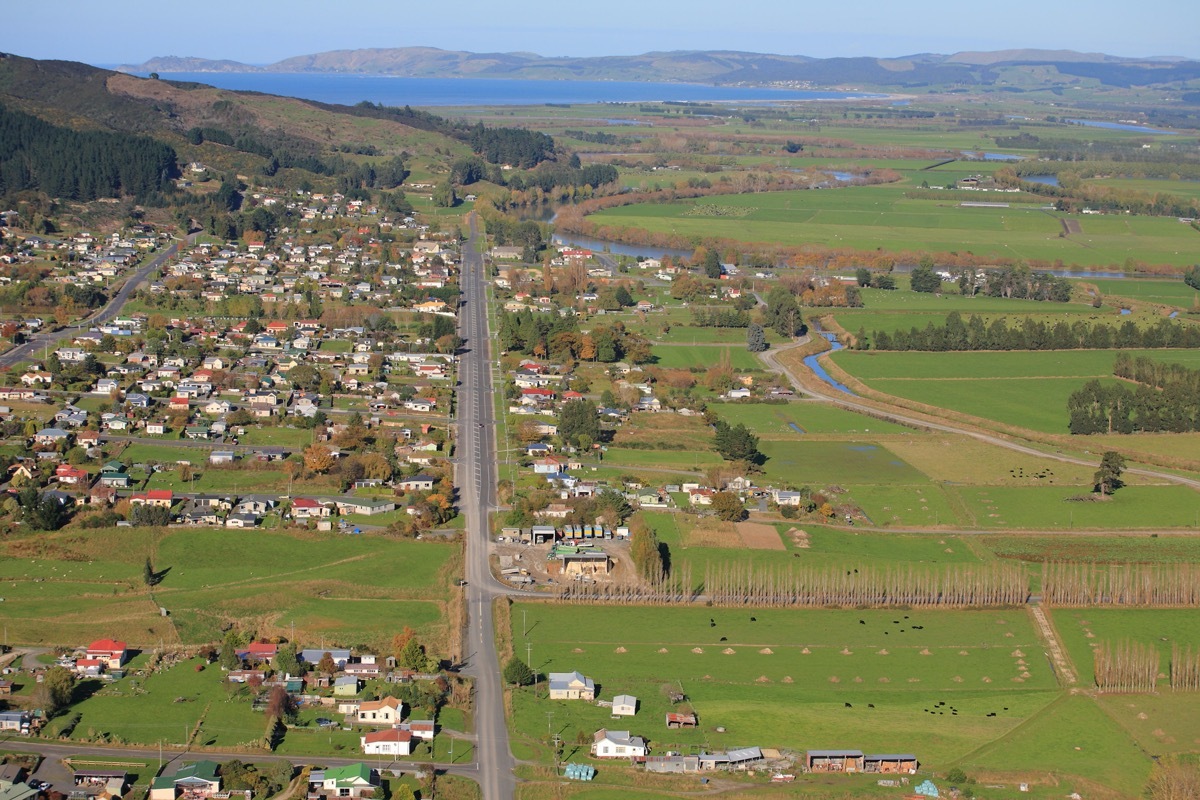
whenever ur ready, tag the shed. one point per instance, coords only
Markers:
(891, 763)
(833, 760)
(624, 705)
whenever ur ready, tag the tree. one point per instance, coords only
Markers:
(412, 656)
(1192, 277)
(1174, 779)
(148, 572)
(736, 443)
(578, 418)
(229, 659)
(517, 672)
(326, 665)
(280, 704)
(623, 297)
(285, 661)
(41, 512)
(1108, 478)
(444, 196)
(783, 313)
(924, 279)
(712, 265)
(756, 338)
(55, 692)
(318, 458)
(728, 506)
(144, 515)
(646, 552)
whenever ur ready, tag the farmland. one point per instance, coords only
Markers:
(349, 589)
(863, 216)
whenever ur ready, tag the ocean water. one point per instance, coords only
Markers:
(430, 92)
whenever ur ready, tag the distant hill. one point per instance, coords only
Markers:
(718, 67)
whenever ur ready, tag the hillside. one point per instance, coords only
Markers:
(979, 69)
(253, 125)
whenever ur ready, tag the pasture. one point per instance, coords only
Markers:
(701, 357)
(864, 216)
(776, 420)
(793, 679)
(1048, 508)
(342, 588)
(821, 463)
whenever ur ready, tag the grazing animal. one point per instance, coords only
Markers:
(870, 705)
(754, 619)
(724, 639)
(862, 622)
(848, 705)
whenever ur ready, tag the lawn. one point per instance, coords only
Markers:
(296, 438)
(58, 585)
(668, 459)
(163, 454)
(790, 676)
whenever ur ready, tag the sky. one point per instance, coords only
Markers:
(109, 32)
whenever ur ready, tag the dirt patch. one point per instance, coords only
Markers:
(799, 538)
(762, 679)
(620, 650)
(577, 650)
(729, 651)
(698, 650)
(786, 679)
(663, 650)
(766, 651)
(714, 533)
(756, 536)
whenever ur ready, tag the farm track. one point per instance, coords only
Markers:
(1058, 653)
(822, 391)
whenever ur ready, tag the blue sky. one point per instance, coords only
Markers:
(262, 31)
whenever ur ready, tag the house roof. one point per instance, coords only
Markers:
(387, 702)
(199, 770)
(349, 775)
(624, 700)
(107, 645)
(390, 735)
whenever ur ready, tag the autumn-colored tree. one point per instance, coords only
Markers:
(401, 640)
(326, 665)
(375, 466)
(318, 458)
(280, 704)
(587, 348)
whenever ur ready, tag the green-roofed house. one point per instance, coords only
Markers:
(352, 780)
(194, 781)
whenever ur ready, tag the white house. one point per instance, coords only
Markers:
(624, 705)
(387, 711)
(571, 686)
(617, 744)
(392, 742)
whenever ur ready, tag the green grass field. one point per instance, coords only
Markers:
(701, 357)
(342, 588)
(822, 463)
(864, 216)
(789, 676)
(775, 420)
(1046, 508)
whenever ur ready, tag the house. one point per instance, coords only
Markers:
(388, 711)
(417, 483)
(259, 651)
(393, 742)
(16, 721)
(222, 457)
(345, 686)
(156, 428)
(110, 651)
(195, 780)
(365, 506)
(72, 476)
(160, 498)
(307, 508)
(834, 761)
(106, 386)
(624, 705)
(352, 780)
(241, 519)
(50, 436)
(313, 656)
(571, 686)
(617, 744)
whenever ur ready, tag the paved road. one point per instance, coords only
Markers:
(823, 391)
(477, 482)
(42, 341)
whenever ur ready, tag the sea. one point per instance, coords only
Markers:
(438, 92)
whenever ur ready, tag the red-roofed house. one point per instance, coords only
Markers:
(391, 742)
(110, 651)
(259, 651)
(163, 498)
(307, 508)
(72, 476)
(179, 403)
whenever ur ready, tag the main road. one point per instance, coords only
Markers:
(477, 488)
(44, 341)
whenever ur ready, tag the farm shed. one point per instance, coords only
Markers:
(624, 705)
(681, 720)
(672, 764)
(890, 763)
(833, 761)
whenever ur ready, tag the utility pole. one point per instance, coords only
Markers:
(524, 631)
(529, 663)
(549, 716)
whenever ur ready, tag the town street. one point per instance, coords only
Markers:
(39, 343)
(476, 480)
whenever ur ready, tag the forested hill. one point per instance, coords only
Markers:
(1037, 68)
